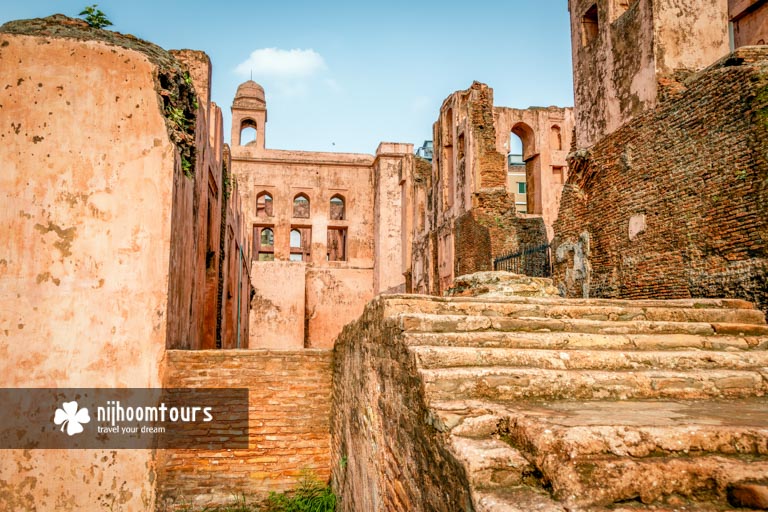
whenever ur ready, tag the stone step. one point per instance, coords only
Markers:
(419, 322)
(544, 308)
(515, 499)
(571, 341)
(503, 383)
(490, 463)
(430, 357)
(642, 453)
(428, 304)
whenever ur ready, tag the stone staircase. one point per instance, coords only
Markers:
(554, 404)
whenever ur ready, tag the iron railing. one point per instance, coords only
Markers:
(530, 260)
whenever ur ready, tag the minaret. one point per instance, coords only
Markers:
(249, 110)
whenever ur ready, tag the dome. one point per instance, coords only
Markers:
(250, 90)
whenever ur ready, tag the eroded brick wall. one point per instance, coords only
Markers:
(675, 203)
(384, 453)
(289, 402)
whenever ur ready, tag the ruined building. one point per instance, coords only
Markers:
(667, 193)
(460, 212)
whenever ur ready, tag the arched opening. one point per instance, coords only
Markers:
(515, 149)
(264, 205)
(523, 173)
(301, 206)
(248, 132)
(556, 138)
(337, 208)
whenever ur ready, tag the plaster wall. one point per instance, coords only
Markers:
(85, 233)
(334, 297)
(278, 305)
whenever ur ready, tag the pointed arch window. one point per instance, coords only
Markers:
(263, 243)
(264, 205)
(301, 206)
(337, 208)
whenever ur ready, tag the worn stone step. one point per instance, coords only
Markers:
(430, 304)
(490, 463)
(544, 308)
(503, 383)
(430, 357)
(571, 341)
(515, 499)
(649, 451)
(419, 322)
(642, 450)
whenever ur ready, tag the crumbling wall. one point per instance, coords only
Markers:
(85, 234)
(289, 397)
(628, 55)
(383, 450)
(463, 216)
(546, 134)
(675, 203)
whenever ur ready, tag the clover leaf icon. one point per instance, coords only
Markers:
(69, 416)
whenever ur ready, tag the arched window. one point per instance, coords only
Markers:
(556, 138)
(301, 240)
(248, 132)
(264, 205)
(263, 243)
(267, 236)
(337, 208)
(301, 206)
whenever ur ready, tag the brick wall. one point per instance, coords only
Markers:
(675, 203)
(385, 454)
(289, 397)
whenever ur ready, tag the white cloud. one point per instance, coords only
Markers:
(282, 64)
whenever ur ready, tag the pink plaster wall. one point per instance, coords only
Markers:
(335, 297)
(277, 309)
(84, 241)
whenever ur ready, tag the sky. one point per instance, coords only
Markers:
(346, 75)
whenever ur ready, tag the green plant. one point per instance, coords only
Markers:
(186, 166)
(343, 462)
(94, 17)
(176, 116)
(310, 496)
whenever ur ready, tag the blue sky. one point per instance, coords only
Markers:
(345, 75)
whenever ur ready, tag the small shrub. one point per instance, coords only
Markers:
(95, 17)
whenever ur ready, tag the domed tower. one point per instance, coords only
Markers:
(249, 114)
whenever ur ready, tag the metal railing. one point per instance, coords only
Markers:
(530, 260)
